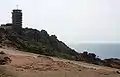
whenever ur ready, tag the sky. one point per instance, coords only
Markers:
(72, 21)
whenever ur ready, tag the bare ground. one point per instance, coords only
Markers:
(32, 65)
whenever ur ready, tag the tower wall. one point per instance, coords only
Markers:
(17, 20)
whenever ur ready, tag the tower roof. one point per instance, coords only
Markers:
(16, 10)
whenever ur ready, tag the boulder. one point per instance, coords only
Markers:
(4, 58)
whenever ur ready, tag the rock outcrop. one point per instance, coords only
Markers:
(92, 58)
(4, 58)
(112, 62)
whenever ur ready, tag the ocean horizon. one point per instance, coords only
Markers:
(103, 50)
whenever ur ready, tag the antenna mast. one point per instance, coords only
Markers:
(17, 6)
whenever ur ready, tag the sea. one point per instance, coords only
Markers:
(102, 50)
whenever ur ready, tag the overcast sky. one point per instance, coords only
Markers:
(73, 21)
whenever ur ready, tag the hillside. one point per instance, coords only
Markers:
(40, 42)
(25, 64)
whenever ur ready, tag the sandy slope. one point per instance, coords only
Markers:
(27, 64)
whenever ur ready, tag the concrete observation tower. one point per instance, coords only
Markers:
(17, 20)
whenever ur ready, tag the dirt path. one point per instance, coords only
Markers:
(28, 64)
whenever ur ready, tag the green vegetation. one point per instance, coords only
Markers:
(40, 42)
